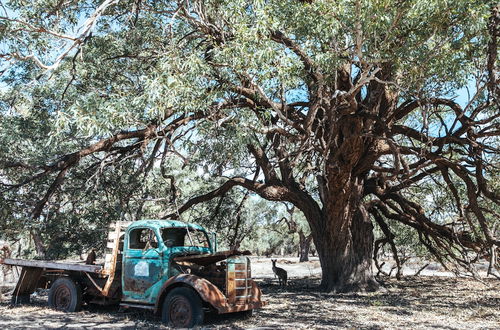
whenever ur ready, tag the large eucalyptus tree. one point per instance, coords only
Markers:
(344, 107)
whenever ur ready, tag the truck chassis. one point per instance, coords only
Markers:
(219, 282)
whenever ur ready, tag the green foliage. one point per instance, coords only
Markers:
(147, 63)
(130, 73)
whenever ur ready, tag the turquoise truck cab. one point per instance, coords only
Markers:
(148, 251)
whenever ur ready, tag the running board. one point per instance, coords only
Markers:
(128, 305)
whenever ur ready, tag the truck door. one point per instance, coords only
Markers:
(142, 265)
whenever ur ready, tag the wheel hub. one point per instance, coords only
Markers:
(62, 298)
(180, 312)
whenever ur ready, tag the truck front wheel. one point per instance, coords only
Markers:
(182, 308)
(65, 295)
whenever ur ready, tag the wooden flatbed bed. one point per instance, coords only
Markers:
(34, 274)
(103, 278)
(49, 265)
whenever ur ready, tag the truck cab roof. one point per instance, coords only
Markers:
(156, 223)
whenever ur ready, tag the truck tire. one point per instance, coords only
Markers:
(65, 295)
(182, 308)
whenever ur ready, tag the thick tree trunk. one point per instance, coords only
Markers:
(346, 255)
(343, 236)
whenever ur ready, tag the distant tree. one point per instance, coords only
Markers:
(295, 227)
(344, 106)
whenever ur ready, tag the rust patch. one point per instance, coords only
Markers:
(207, 291)
(130, 284)
(240, 267)
(140, 284)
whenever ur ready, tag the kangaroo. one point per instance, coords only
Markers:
(280, 272)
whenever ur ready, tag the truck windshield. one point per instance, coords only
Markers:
(181, 237)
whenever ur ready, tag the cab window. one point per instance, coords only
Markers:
(181, 237)
(142, 239)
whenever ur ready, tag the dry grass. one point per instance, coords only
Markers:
(414, 302)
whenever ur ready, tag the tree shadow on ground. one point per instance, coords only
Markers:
(411, 302)
(37, 314)
(439, 295)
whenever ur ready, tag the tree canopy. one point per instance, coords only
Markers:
(352, 111)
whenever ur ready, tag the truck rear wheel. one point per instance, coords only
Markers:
(182, 308)
(65, 295)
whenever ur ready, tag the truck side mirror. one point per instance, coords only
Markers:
(169, 243)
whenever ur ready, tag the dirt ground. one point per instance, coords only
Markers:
(414, 302)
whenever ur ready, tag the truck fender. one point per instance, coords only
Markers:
(208, 292)
(255, 292)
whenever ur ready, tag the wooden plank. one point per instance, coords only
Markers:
(26, 284)
(94, 282)
(122, 224)
(109, 258)
(112, 235)
(53, 265)
(111, 245)
(111, 266)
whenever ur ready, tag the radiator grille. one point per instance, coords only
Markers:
(238, 280)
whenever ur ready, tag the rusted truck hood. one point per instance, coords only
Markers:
(208, 259)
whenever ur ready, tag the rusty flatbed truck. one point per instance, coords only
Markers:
(169, 267)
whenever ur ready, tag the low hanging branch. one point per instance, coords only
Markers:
(235, 240)
(389, 238)
(67, 162)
